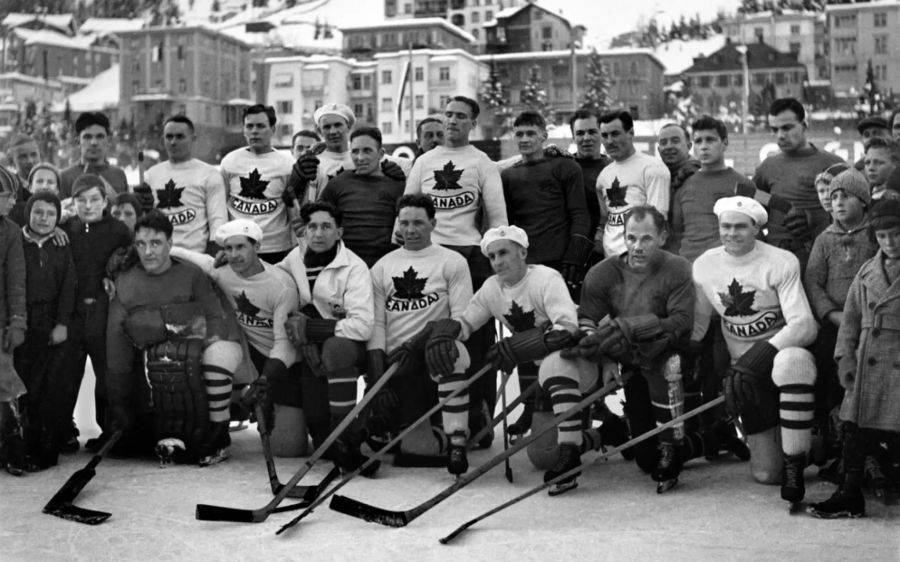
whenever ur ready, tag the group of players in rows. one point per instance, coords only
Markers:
(277, 280)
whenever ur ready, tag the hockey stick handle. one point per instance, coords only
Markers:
(384, 450)
(523, 394)
(615, 450)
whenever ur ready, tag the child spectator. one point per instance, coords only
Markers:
(127, 209)
(880, 162)
(823, 184)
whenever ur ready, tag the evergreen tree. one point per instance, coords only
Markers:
(597, 95)
(534, 96)
(495, 98)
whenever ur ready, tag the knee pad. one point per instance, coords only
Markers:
(338, 353)
(793, 365)
(289, 436)
(174, 369)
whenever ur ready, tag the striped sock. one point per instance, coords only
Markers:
(218, 391)
(564, 394)
(796, 410)
(342, 390)
(455, 413)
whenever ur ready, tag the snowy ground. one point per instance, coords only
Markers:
(716, 512)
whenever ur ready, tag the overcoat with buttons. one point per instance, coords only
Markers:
(868, 344)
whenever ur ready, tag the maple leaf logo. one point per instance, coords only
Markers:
(253, 186)
(410, 286)
(736, 301)
(518, 319)
(448, 178)
(244, 305)
(169, 196)
(616, 194)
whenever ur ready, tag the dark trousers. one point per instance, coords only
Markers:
(87, 338)
(41, 369)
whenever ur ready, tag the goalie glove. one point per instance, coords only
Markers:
(414, 346)
(440, 351)
(746, 375)
(529, 345)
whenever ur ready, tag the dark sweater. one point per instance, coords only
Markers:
(546, 199)
(50, 294)
(115, 176)
(590, 169)
(92, 244)
(369, 204)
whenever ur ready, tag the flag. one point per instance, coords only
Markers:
(403, 81)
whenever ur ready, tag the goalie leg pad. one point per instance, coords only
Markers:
(667, 396)
(174, 370)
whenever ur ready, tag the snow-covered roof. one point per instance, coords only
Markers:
(413, 22)
(678, 56)
(47, 37)
(19, 77)
(874, 4)
(62, 22)
(513, 10)
(568, 53)
(432, 54)
(103, 26)
(101, 94)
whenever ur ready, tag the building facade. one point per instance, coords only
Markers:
(194, 71)
(789, 31)
(364, 42)
(530, 27)
(49, 54)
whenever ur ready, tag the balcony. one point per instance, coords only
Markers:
(451, 83)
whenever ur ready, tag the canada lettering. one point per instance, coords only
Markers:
(182, 217)
(753, 328)
(264, 207)
(254, 321)
(404, 305)
(453, 201)
(616, 219)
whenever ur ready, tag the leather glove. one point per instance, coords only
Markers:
(295, 326)
(392, 170)
(440, 352)
(144, 194)
(411, 347)
(256, 392)
(797, 223)
(307, 166)
(553, 151)
(120, 261)
(746, 375)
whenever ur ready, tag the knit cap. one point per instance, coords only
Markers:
(885, 214)
(853, 183)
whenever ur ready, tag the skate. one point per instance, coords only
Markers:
(722, 436)
(792, 485)
(840, 505)
(348, 456)
(215, 450)
(457, 461)
(668, 467)
(832, 472)
(875, 477)
(569, 458)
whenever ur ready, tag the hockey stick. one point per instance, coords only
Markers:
(307, 493)
(386, 449)
(506, 411)
(507, 469)
(606, 454)
(207, 512)
(354, 508)
(61, 505)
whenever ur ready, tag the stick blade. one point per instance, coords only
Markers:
(78, 514)
(370, 513)
(205, 512)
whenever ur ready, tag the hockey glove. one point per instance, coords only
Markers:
(295, 326)
(258, 391)
(319, 329)
(526, 346)
(606, 340)
(553, 151)
(120, 261)
(797, 223)
(307, 166)
(440, 351)
(748, 373)
(575, 259)
(392, 170)
(412, 347)
(144, 196)
(311, 355)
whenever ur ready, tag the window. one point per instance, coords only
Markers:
(760, 79)
(418, 74)
(420, 102)
(284, 106)
(795, 48)
(722, 80)
(880, 71)
(367, 82)
(156, 55)
(285, 130)
(356, 82)
(615, 70)
(182, 86)
(284, 80)
(845, 46)
(779, 78)
(180, 52)
(387, 128)
(845, 21)
(547, 32)
(135, 86)
(759, 33)
(458, 20)
(386, 77)
(538, 15)
(407, 8)
(358, 109)
(406, 126)
(881, 44)
(795, 29)
(845, 68)
(880, 19)
(476, 17)
(443, 101)
(475, 33)
(444, 73)
(386, 104)
(704, 81)
(488, 15)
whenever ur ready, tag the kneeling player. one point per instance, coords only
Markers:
(170, 309)
(766, 319)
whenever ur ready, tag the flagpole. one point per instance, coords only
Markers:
(412, 99)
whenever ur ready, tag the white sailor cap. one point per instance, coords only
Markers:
(744, 205)
(338, 109)
(512, 233)
(239, 227)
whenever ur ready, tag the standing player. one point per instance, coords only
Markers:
(303, 140)
(256, 176)
(94, 139)
(586, 132)
(187, 190)
(766, 319)
(674, 146)
(429, 134)
(632, 179)
(417, 285)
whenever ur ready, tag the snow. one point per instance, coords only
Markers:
(103, 26)
(678, 56)
(101, 94)
(715, 513)
(47, 37)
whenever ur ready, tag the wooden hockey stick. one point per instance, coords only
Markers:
(606, 454)
(61, 505)
(207, 512)
(354, 508)
(532, 388)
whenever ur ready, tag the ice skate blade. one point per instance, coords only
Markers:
(666, 485)
(795, 508)
(562, 488)
(845, 514)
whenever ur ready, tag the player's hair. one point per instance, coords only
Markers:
(583, 113)
(788, 104)
(367, 131)
(305, 133)
(424, 122)
(308, 209)
(260, 108)
(126, 198)
(530, 119)
(643, 211)
(17, 140)
(620, 114)
(155, 220)
(473, 105)
(90, 118)
(180, 119)
(684, 130)
(420, 201)
(709, 123)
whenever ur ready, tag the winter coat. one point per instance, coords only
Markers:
(868, 344)
(12, 301)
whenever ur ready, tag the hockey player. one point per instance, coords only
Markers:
(429, 134)
(262, 296)
(766, 319)
(256, 176)
(169, 309)
(632, 179)
(635, 307)
(303, 140)
(674, 146)
(187, 190)
(366, 198)
(586, 133)
(94, 140)
(419, 284)
(335, 322)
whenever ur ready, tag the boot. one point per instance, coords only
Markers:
(215, 448)
(875, 477)
(457, 461)
(792, 485)
(569, 458)
(348, 455)
(668, 467)
(842, 504)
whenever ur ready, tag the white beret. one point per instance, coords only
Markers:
(338, 109)
(238, 227)
(744, 205)
(512, 233)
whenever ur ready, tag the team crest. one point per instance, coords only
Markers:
(615, 194)
(169, 196)
(448, 178)
(408, 293)
(247, 312)
(518, 319)
(252, 198)
(739, 303)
